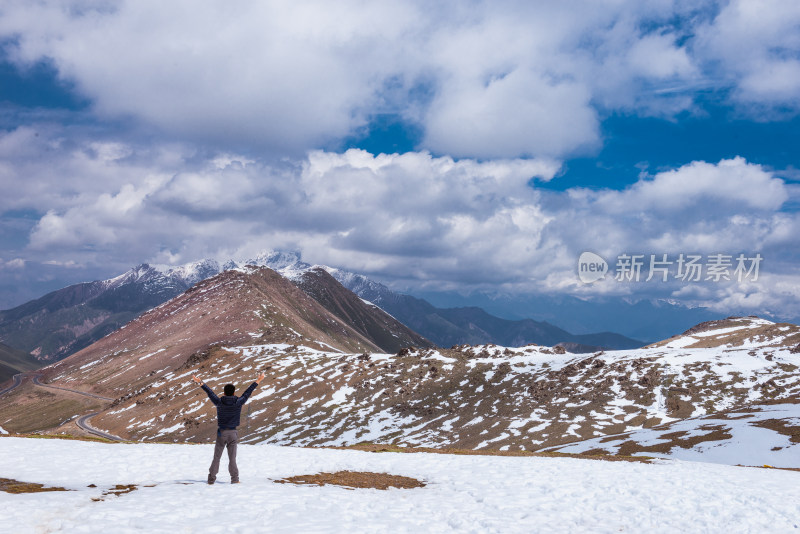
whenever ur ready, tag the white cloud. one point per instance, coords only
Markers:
(728, 207)
(67, 264)
(512, 115)
(14, 264)
(486, 80)
(414, 219)
(753, 46)
(656, 56)
(730, 183)
(231, 87)
(280, 75)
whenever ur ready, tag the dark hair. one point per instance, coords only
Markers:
(229, 389)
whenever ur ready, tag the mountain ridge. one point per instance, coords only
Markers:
(68, 320)
(471, 324)
(475, 397)
(232, 308)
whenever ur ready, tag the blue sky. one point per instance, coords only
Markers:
(474, 147)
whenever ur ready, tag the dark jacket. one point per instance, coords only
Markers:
(229, 408)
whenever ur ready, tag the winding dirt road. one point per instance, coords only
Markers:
(38, 383)
(17, 378)
(83, 421)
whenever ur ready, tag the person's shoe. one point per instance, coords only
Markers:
(210, 483)
(235, 482)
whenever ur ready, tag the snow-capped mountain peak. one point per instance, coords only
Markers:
(288, 263)
(190, 273)
(186, 275)
(277, 260)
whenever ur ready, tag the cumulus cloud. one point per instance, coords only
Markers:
(483, 80)
(415, 220)
(727, 207)
(228, 109)
(275, 74)
(512, 115)
(753, 46)
(730, 183)
(16, 263)
(393, 205)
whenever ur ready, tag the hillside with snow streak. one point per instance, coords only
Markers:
(486, 397)
(767, 434)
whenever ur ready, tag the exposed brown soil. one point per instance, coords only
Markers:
(677, 439)
(485, 397)
(782, 427)
(462, 404)
(370, 321)
(235, 308)
(762, 334)
(228, 309)
(9, 485)
(356, 479)
(119, 489)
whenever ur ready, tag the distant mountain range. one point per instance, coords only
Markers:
(472, 325)
(65, 321)
(70, 319)
(647, 320)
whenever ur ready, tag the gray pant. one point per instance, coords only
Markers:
(229, 439)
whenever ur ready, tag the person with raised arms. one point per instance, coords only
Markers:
(229, 410)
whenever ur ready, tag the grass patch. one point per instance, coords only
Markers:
(119, 489)
(9, 485)
(356, 479)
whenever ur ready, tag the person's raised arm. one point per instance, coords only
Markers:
(248, 391)
(211, 394)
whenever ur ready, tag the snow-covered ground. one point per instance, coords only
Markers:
(463, 493)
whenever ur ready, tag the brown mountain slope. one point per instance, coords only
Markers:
(366, 318)
(468, 397)
(233, 308)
